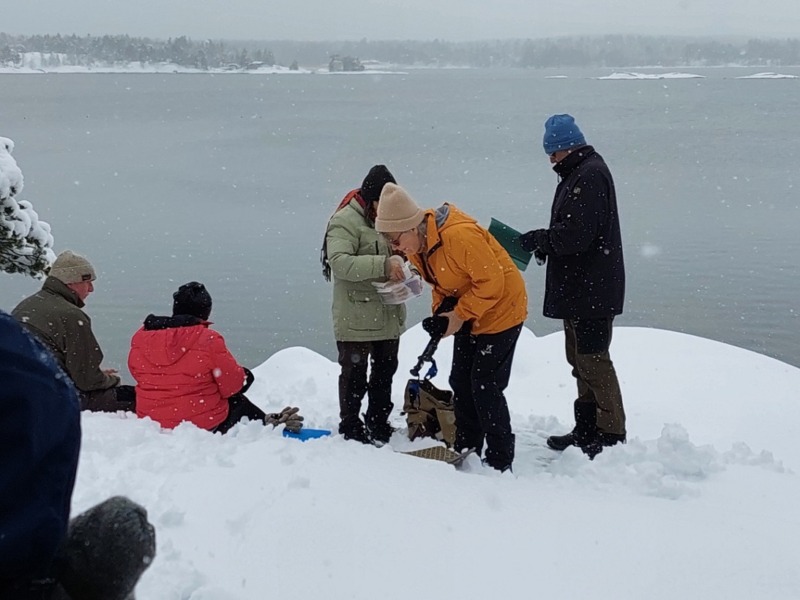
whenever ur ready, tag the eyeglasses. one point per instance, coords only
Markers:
(393, 239)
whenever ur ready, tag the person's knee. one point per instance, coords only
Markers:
(390, 367)
(107, 549)
(592, 336)
(125, 396)
(594, 366)
(461, 387)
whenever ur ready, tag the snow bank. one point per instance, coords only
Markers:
(699, 504)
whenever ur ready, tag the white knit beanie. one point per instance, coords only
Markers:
(72, 268)
(397, 211)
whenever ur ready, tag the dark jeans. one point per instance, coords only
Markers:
(239, 408)
(479, 375)
(587, 342)
(121, 397)
(106, 551)
(381, 356)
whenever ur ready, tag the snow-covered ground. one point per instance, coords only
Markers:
(173, 68)
(136, 67)
(700, 503)
(634, 75)
(39, 62)
(626, 76)
(768, 75)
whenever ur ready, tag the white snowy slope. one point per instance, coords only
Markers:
(700, 503)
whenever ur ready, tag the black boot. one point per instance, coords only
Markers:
(353, 429)
(585, 429)
(601, 440)
(380, 433)
(499, 455)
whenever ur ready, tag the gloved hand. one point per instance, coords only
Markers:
(527, 241)
(540, 257)
(289, 416)
(535, 239)
(435, 326)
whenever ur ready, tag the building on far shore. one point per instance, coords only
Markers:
(344, 63)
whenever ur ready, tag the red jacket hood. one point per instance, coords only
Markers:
(168, 338)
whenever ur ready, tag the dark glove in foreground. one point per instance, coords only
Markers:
(435, 326)
(540, 257)
(289, 417)
(106, 551)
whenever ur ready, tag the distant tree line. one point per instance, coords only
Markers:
(619, 51)
(122, 49)
(585, 51)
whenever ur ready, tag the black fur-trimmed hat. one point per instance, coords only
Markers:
(192, 299)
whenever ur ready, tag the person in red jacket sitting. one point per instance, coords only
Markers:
(185, 372)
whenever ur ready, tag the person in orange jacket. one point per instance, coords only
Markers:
(463, 261)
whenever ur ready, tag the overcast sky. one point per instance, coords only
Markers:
(400, 19)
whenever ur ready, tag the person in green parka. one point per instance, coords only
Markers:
(367, 331)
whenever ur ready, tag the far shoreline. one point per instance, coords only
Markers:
(642, 73)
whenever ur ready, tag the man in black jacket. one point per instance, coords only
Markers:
(585, 284)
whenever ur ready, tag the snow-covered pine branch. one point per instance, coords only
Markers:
(25, 241)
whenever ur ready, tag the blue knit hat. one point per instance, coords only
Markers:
(560, 133)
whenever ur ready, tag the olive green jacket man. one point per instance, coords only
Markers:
(54, 315)
(357, 255)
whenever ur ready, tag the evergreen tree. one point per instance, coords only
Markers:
(25, 241)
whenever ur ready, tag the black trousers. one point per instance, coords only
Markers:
(354, 357)
(479, 375)
(121, 397)
(240, 407)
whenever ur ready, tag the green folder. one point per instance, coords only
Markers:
(509, 239)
